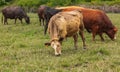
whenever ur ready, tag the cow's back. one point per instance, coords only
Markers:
(20, 12)
(73, 20)
(11, 12)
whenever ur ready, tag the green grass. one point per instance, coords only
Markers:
(22, 50)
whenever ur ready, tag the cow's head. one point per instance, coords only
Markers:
(56, 45)
(112, 33)
(27, 19)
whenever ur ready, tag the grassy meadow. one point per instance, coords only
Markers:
(22, 50)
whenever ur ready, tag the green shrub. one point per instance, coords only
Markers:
(36, 3)
(2, 2)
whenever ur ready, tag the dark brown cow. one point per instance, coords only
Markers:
(95, 21)
(14, 12)
(65, 24)
(41, 14)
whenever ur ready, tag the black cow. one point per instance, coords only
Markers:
(14, 12)
(48, 13)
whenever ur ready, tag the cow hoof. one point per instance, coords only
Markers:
(84, 48)
(102, 40)
(76, 49)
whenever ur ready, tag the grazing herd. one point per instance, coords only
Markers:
(63, 22)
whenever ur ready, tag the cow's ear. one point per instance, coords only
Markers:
(47, 44)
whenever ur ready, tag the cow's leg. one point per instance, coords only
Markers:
(5, 21)
(43, 22)
(94, 32)
(46, 26)
(15, 20)
(75, 37)
(81, 30)
(20, 20)
(100, 34)
(40, 21)
(83, 38)
(93, 36)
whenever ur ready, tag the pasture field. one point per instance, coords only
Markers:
(22, 50)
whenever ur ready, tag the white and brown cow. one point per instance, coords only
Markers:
(65, 24)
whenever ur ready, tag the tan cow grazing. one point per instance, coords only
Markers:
(65, 24)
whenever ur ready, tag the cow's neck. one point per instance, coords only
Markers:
(54, 32)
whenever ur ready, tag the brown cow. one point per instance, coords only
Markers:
(65, 24)
(95, 21)
(14, 12)
(41, 14)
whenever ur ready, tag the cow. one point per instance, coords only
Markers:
(14, 12)
(95, 22)
(41, 14)
(63, 25)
